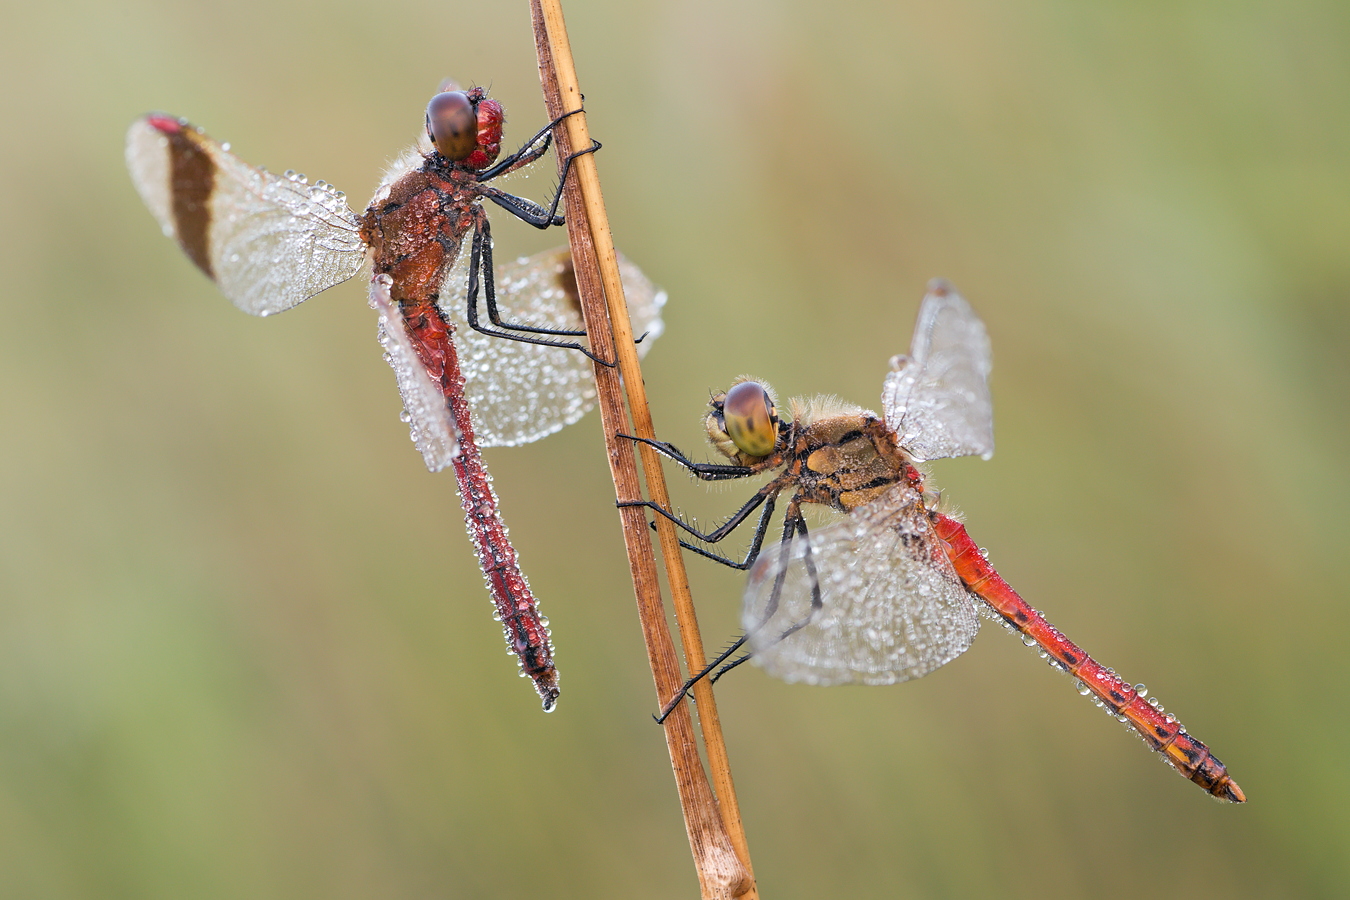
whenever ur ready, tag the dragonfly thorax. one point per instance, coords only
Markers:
(415, 225)
(845, 461)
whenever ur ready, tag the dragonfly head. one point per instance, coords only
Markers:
(742, 422)
(466, 127)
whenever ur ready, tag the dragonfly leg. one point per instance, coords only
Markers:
(765, 497)
(756, 542)
(529, 151)
(483, 248)
(696, 678)
(528, 211)
(729, 666)
(703, 471)
(794, 525)
(712, 472)
(532, 214)
(480, 271)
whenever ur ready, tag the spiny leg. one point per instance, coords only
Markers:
(703, 471)
(793, 523)
(482, 247)
(765, 496)
(528, 151)
(714, 472)
(528, 211)
(480, 256)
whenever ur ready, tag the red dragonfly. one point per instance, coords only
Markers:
(271, 241)
(890, 590)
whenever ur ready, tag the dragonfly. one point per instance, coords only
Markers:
(469, 376)
(893, 587)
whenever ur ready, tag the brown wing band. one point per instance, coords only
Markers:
(192, 178)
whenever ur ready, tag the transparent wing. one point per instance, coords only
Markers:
(891, 606)
(269, 241)
(521, 392)
(937, 398)
(424, 408)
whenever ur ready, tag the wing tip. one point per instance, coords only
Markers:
(164, 123)
(941, 287)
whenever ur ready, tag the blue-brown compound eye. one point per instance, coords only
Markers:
(750, 419)
(452, 125)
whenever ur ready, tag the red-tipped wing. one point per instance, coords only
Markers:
(268, 241)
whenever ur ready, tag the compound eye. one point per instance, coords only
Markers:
(750, 418)
(452, 125)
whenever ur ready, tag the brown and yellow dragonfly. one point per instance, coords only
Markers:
(893, 588)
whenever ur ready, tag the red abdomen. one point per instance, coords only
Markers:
(1160, 731)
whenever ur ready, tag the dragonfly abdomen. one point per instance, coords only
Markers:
(1162, 732)
(526, 630)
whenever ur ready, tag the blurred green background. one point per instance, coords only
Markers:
(244, 646)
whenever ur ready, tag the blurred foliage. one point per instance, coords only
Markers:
(244, 648)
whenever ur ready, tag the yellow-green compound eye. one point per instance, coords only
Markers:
(750, 418)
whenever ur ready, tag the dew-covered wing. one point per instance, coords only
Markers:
(937, 398)
(520, 392)
(268, 241)
(424, 407)
(890, 606)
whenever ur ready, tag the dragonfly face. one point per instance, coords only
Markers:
(742, 422)
(834, 454)
(466, 127)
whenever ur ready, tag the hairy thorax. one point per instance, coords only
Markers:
(846, 461)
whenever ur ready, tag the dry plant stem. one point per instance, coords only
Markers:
(720, 853)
